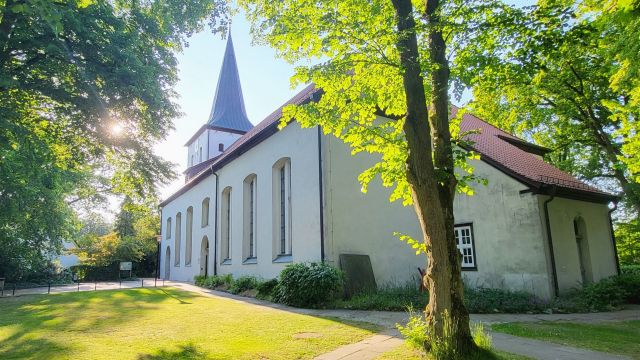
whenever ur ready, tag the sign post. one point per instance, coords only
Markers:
(126, 266)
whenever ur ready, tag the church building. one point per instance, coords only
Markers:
(257, 198)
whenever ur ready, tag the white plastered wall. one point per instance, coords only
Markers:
(507, 231)
(301, 146)
(562, 213)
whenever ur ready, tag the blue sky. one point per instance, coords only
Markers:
(265, 85)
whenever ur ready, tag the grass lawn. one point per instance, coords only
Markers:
(162, 324)
(405, 352)
(612, 337)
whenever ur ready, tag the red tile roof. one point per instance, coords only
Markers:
(508, 153)
(496, 147)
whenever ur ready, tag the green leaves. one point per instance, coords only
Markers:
(69, 72)
(418, 246)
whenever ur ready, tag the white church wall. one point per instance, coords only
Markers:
(215, 138)
(193, 149)
(194, 198)
(599, 253)
(506, 225)
(300, 145)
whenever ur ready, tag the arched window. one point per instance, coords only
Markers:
(225, 229)
(250, 219)
(177, 240)
(582, 243)
(205, 212)
(188, 247)
(281, 209)
(168, 228)
(200, 155)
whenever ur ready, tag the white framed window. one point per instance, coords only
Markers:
(189, 245)
(225, 230)
(205, 212)
(250, 219)
(177, 240)
(282, 210)
(465, 244)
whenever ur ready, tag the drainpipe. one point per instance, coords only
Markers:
(321, 195)
(554, 272)
(160, 248)
(215, 227)
(613, 236)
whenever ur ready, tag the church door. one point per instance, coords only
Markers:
(204, 257)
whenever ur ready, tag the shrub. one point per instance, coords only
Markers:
(308, 284)
(242, 284)
(390, 298)
(486, 300)
(214, 281)
(266, 289)
(630, 269)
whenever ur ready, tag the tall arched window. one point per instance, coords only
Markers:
(250, 219)
(281, 209)
(205, 212)
(188, 247)
(582, 243)
(167, 229)
(177, 240)
(225, 229)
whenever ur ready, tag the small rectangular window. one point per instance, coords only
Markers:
(221, 147)
(465, 244)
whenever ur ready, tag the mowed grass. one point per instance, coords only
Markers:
(612, 337)
(162, 324)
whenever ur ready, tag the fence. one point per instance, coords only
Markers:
(16, 289)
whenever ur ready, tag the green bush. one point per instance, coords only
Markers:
(308, 284)
(214, 281)
(242, 284)
(388, 298)
(486, 300)
(266, 289)
(630, 269)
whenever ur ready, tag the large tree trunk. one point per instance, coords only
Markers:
(431, 178)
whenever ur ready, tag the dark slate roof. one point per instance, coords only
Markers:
(253, 137)
(227, 111)
(509, 154)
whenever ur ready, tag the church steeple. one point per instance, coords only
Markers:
(227, 111)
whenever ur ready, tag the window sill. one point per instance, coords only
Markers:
(474, 268)
(226, 262)
(187, 265)
(284, 258)
(251, 260)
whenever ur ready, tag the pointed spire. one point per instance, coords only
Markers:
(228, 105)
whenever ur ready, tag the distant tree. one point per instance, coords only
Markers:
(566, 74)
(133, 238)
(86, 89)
(628, 242)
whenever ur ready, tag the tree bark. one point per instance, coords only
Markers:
(431, 176)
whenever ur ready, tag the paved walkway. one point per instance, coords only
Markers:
(389, 339)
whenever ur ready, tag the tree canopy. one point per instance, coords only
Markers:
(86, 89)
(565, 74)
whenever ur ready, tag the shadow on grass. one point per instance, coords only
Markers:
(184, 352)
(28, 322)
